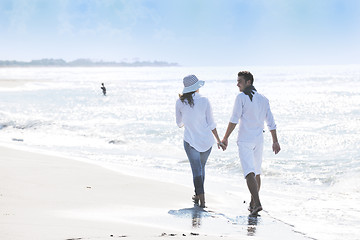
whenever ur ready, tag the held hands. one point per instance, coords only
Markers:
(224, 144)
(221, 145)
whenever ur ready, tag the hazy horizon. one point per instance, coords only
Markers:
(190, 33)
(178, 64)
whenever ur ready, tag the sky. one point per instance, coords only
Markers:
(188, 32)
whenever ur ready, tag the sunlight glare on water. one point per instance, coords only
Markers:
(311, 182)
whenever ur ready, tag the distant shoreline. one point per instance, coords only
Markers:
(83, 63)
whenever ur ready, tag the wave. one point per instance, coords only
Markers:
(27, 124)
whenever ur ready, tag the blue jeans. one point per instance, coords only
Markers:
(197, 161)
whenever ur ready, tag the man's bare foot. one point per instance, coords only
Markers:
(256, 210)
(251, 206)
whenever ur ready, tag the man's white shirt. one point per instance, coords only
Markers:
(251, 115)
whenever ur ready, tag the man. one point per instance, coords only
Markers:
(252, 110)
(103, 89)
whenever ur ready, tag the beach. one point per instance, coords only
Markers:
(49, 197)
(77, 164)
(15, 83)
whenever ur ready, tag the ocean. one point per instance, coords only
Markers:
(313, 184)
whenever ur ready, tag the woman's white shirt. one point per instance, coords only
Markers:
(198, 121)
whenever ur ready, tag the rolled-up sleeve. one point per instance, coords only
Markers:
(178, 114)
(210, 117)
(237, 110)
(269, 119)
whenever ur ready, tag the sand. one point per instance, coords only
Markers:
(17, 83)
(10, 83)
(48, 197)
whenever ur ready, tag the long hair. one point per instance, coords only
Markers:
(188, 97)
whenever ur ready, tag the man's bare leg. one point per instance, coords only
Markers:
(252, 203)
(253, 188)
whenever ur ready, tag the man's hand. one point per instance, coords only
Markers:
(224, 143)
(221, 145)
(230, 128)
(276, 147)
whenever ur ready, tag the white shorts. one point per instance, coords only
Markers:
(251, 156)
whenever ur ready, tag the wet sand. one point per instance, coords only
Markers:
(49, 197)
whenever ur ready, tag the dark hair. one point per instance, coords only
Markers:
(247, 76)
(188, 97)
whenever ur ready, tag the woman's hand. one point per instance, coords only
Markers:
(224, 143)
(221, 145)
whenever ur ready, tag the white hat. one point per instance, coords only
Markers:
(192, 83)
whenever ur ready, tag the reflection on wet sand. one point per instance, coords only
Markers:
(252, 223)
(196, 213)
(196, 219)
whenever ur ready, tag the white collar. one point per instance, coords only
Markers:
(196, 95)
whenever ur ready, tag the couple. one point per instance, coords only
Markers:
(251, 108)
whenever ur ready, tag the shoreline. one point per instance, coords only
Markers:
(49, 197)
(13, 83)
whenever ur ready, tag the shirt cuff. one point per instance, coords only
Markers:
(213, 126)
(272, 127)
(234, 120)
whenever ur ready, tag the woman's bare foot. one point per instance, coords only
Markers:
(202, 200)
(196, 199)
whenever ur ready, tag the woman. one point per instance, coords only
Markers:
(194, 112)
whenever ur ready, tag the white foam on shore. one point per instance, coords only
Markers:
(133, 131)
